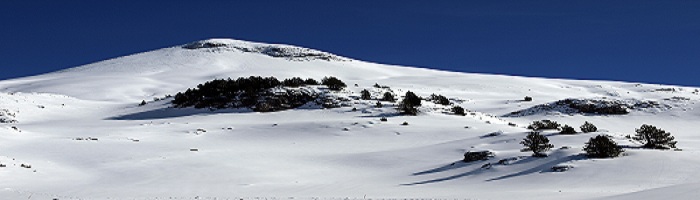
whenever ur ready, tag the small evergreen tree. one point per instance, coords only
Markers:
(654, 138)
(566, 129)
(143, 103)
(409, 103)
(379, 105)
(588, 127)
(333, 83)
(602, 147)
(388, 97)
(536, 143)
(527, 98)
(458, 110)
(365, 95)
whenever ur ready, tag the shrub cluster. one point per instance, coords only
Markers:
(458, 110)
(245, 92)
(567, 130)
(543, 125)
(439, 99)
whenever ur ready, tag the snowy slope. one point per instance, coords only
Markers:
(84, 136)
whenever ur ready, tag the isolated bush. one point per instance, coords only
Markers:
(439, 99)
(365, 95)
(379, 105)
(588, 127)
(566, 129)
(602, 147)
(536, 143)
(543, 125)
(143, 103)
(477, 155)
(388, 97)
(458, 110)
(333, 83)
(654, 138)
(527, 98)
(383, 119)
(409, 104)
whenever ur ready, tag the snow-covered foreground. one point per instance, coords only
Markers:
(85, 137)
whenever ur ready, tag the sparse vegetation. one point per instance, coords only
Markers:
(602, 147)
(536, 143)
(588, 127)
(654, 138)
(543, 125)
(527, 98)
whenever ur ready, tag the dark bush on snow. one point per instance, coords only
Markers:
(536, 143)
(527, 98)
(365, 95)
(602, 147)
(567, 130)
(333, 83)
(388, 97)
(458, 110)
(409, 104)
(588, 127)
(654, 138)
(477, 155)
(439, 99)
(543, 125)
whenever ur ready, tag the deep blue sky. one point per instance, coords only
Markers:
(642, 41)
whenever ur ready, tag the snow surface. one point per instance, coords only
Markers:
(85, 136)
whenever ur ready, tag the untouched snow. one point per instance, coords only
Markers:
(85, 137)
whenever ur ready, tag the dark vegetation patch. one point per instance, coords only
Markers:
(588, 106)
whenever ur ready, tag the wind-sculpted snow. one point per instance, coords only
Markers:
(279, 51)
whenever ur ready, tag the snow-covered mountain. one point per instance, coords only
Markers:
(80, 133)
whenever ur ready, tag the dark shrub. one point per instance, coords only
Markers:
(602, 147)
(293, 82)
(439, 99)
(365, 95)
(383, 119)
(654, 138)
(458, 110)
(543, 125)
(310, 81)
(333, 83)
(143, 103)
(404, 124)
(527, 98)
(388, 97)
(536, 143)
(566, 129)
(588, 127)
(477, 155)
(409, 103)
(379, 105)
